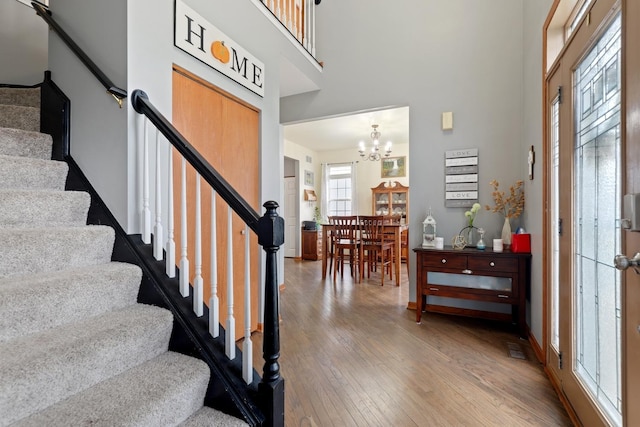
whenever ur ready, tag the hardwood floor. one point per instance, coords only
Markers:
(352, 355)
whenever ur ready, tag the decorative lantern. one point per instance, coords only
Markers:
(429, 231)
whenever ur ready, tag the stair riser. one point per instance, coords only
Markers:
(29, 208)
(35, 303)
(17, 142)
(26, 173)
(42, 249)
(19, 117)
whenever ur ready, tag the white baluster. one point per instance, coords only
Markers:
(230, 342)
(171, 244)
(146, 213)
(197, 280)
(307, 22)
(214, 301)
(288, 13)
(184, 261)
(247, 345)
(296, 19)
(313, 28)
(278, 12)
(158, 235)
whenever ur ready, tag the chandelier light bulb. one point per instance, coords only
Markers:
(375, 150)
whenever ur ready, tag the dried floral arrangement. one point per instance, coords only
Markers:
(510, 206)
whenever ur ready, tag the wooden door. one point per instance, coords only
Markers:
(593, 308)
(225, 132)
(631, 242)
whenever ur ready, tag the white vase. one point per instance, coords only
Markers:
(506, 232)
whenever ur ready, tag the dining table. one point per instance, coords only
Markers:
(392, 229)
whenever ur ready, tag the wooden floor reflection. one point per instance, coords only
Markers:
(352, 355)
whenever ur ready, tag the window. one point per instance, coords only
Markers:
(578, 12)
(340, 185)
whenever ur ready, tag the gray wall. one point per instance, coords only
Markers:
(98, 126)
(535, 13)
(477, 58)
(23, 44)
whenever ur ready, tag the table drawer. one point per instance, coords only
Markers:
(446, 261)
(492, 264)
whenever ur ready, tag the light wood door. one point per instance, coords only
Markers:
(631, 243)
(225, 132)
(593, 307)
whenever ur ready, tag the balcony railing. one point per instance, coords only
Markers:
(297, 17)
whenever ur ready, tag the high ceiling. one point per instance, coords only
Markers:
(339, 133)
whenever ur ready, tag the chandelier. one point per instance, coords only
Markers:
(375, 154)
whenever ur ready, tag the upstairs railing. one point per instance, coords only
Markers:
(298, 17)
(117, 93)
(270, 234)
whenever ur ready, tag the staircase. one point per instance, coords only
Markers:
(75, 346)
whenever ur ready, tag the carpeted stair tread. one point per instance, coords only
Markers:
(41, 369)
(23, 172)
(20, 117)
(65, 247)
(160, 392)
(23, 143)
(39, 302)
(206, 417)
(25, 96)
(39, 208)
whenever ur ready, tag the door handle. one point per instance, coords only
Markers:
(622, 262)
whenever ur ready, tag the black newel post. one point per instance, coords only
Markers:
(271, 388)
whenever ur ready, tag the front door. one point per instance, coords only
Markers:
(590, 305)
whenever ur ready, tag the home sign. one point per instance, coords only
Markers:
(202, 40)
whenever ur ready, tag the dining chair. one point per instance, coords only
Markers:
(345, 243)
(374, 247)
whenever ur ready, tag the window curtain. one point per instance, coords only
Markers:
(354, 189)
(324, 192)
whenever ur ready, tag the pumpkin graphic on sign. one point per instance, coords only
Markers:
(220, 51)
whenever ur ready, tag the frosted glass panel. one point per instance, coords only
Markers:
(555, 215)
(597, 177)
(468, 281)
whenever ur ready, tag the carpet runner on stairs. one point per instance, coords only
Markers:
(75, 346)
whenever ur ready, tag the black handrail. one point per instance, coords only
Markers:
(142, 105)
(118, 93)
(270, 231)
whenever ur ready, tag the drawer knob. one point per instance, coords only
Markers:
(444, 261)
(492, 264)
(467, 271)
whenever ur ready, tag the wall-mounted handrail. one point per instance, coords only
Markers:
(117, 93)
(142, 105)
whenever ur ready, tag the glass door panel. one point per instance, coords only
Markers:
(596, 230)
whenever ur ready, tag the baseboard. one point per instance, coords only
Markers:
(537, 349)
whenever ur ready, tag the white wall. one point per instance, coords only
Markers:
(23, 44)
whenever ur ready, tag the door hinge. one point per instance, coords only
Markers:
(559, 94)
(560, 226)
(560, 360)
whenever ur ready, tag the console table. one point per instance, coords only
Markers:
(499, 277)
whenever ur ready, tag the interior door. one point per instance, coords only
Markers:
(291, 216)
(225, 132)
(584, 198)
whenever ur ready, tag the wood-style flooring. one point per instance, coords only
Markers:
(353, 355)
